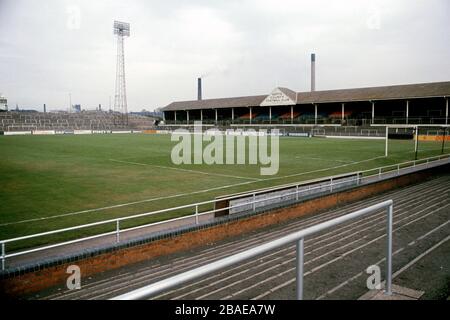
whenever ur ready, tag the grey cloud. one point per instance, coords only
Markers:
(244, 47)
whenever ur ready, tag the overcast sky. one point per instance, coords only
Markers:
(51, 48)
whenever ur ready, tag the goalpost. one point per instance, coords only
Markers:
(400, 135)
(429, 133)
(387, 142)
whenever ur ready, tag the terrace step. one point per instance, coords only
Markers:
(398, 293)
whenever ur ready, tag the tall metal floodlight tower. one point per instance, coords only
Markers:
(122, 30)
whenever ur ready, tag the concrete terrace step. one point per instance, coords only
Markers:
(398, 293)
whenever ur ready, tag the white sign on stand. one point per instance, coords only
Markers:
(277, 98)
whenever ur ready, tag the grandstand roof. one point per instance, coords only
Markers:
(216, 103)
(409, 91)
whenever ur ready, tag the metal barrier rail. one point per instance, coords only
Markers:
(117, 232)
(296, 237)
(196, 215)
(378, 170)
(411, 120)
(286, 186)
(403, 165)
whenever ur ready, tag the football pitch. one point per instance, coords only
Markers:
(52, 182)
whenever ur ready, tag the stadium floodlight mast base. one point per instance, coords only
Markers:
(122, 30)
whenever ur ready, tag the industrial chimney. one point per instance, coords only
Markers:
(313, 72)
(199, 89)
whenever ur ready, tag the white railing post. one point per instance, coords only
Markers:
(379, 173)
(3, 256)
(196, 214)
(300, 256)
(296, 193)
(254, 203)
(388, 290)
(331, 185)
(118, 231)
(398, 169)
(386, 142)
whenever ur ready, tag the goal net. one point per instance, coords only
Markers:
(417, 141)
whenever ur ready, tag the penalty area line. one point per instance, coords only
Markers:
(328, 160)
(324, 169)
(185, 170)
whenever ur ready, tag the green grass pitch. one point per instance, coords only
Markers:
(55, 177)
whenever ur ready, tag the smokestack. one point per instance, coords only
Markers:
(45, 108)
(199, 89)
(313, 72)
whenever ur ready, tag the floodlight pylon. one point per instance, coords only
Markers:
(122, 30)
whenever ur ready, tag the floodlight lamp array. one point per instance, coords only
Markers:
(122, 28)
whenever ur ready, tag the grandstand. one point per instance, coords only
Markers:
(61, 121)
(418, 104)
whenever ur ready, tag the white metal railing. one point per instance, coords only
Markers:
(408, 164)
(296, 237)
(287, 186)
(333, 185)
(309, 187)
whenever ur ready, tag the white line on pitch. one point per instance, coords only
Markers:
(185, 170)
(329, 160)
(324, 169)
(126, 204)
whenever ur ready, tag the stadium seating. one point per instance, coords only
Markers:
(247, 116)
(262, 117)
(338, 114)
(88, 120)
(287, 115)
